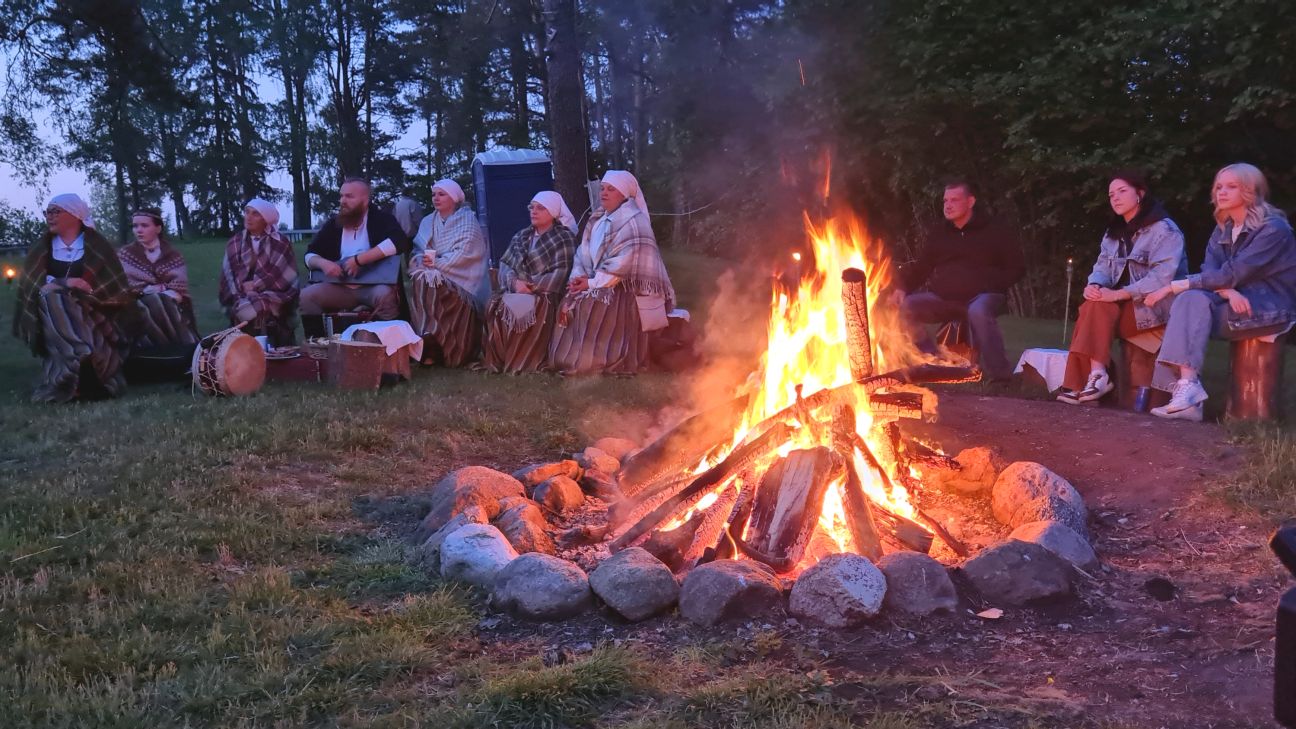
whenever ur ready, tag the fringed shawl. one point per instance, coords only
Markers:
(168, 270)
(629, 252)
(545, 262)
(460, 253)
(273, 266)
(109, 292)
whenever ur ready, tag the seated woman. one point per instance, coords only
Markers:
(156, 273)
(259, 275)
(449, 279)
(1246, 288)
(619, 289)
(71, 297)
(532, 275)
(1141, 251)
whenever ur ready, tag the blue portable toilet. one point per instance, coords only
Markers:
(504, 181)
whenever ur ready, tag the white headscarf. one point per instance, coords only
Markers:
(557, 207)
(451, 188)
(628, 185)
(72, 204)
(267, 210)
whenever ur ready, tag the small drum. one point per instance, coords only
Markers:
(229, 363)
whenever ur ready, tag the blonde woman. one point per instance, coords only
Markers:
(1246, 288)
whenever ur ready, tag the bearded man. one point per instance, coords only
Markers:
(353, 260)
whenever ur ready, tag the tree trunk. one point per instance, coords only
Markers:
(565, 105)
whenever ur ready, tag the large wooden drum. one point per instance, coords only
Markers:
(229, 363)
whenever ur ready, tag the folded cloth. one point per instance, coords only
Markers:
(393, 335)
(679, 314)
(519, 311)
(1050, 363)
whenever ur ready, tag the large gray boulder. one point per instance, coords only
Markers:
(470, 486)
(429, 552)
(1027, 492)
(1059, 539)
(1016, 572)
(542, 587)
(635, 584)
(475, 553)
(559, 494)
(841, 591)
(917, 584)
(728, 589)
(524, 525)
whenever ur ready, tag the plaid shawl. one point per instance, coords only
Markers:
(273, 267)
(110, 292)
(629, 251)
(169, 270)
(460, 253)
(544, 262)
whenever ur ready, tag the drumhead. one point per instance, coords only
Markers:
(240, 365)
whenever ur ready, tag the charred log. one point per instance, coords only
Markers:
(896, 405)
(682, 447)
(788, 504)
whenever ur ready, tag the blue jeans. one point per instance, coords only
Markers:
(982, 315)
(1195, 317)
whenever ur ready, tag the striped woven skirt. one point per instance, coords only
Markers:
(76, 335)
(508, 349)
(601, 337)
(444, 315)
(164, 322)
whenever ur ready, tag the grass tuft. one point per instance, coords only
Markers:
(1267, 481)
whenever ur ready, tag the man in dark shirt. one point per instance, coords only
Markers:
(964, 272)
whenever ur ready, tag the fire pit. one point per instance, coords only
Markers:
(807, 469)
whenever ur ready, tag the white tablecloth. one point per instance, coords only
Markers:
(1050, 363)
(393, 335)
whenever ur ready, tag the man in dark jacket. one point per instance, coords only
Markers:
(964, 272)
(354, 258)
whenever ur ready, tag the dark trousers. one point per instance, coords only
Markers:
(982, 315)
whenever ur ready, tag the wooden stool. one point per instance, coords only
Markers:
(356, 365)
(397, 366)
(1134, 371)
(956, 336)
(1255, 379)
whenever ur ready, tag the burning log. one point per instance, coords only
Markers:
(682, 447)
(907, 533)
(740, 458)
(787, 507)
(859, 345)
(859, 515)
(896, 405)
(714, 521)
(668, 545)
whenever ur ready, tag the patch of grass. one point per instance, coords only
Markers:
(1267, 481)
(535, 696)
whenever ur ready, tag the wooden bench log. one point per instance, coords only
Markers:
(1255, 379)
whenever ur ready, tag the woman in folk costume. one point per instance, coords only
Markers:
(71, 298)
(532, 275)
(156, 274)
(259, 275)
(449, 279)
(619, 289)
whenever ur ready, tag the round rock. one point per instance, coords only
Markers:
(841, 591)
(524, 525)
(1027, 492)
(978, 469)
(470, 486)
(475, 553)
(728, 589)
(595, 459)
(1059, 539)
(618, 448)
(559, 494)
(635, 584)
(917, 584)
(542, 587)
(532, 476)
(429, 552)
(1016, 572)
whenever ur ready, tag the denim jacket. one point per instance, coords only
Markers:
(1155, 259)
(1261, 266)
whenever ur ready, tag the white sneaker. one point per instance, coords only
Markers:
(1099, 384)
(1185, 401)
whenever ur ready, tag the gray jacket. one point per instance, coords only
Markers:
(1261, 266)
(1155, 259)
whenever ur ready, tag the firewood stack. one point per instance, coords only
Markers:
(763, 497)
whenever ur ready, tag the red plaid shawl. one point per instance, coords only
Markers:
(169, 270)
(273, 267)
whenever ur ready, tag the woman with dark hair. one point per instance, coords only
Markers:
(1141, 251)
(71, 297)
(1246, 288)
(157, 276)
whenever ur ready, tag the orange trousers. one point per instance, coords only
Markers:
(1098, 323)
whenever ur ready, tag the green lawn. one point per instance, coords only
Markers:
(177, 561)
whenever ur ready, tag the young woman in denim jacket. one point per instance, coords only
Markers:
(1141, 251)
(1246, 288)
